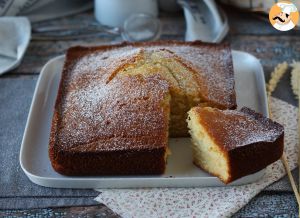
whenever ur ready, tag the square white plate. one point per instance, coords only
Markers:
(180, 172)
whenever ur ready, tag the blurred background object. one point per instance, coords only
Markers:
(40, 10)
(169, 5)
(136, 19)
(14, 39)
(141, 27)
(114, 12)
(204, 21)
(261, 6)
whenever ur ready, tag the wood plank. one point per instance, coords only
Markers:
(266, 204)
(100, 211)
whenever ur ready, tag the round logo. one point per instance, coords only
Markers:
(284, 16)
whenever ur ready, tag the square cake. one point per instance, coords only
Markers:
(117, 105)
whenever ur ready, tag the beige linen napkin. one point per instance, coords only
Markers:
(205, 202)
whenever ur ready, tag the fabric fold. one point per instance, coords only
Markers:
(14, 38)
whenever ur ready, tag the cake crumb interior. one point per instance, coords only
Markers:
(183, 86)
(206, 154)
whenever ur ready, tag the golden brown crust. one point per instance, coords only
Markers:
(103, 125)
(232, 129)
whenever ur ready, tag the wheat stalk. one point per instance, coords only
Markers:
(295, 78)
(276, 76)
(295, 83)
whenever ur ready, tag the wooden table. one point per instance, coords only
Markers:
(248, 33)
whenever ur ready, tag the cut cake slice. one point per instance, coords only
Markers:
(231, 144)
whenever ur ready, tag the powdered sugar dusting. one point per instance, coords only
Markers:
(100, 62)
(238, 128)
(213, 65)
(100, 112)
(97, 109)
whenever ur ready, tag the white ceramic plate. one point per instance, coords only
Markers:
(180, 172)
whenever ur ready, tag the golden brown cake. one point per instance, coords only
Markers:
(117, 105)
(231, 144)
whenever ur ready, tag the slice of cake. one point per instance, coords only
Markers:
(231, 144)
